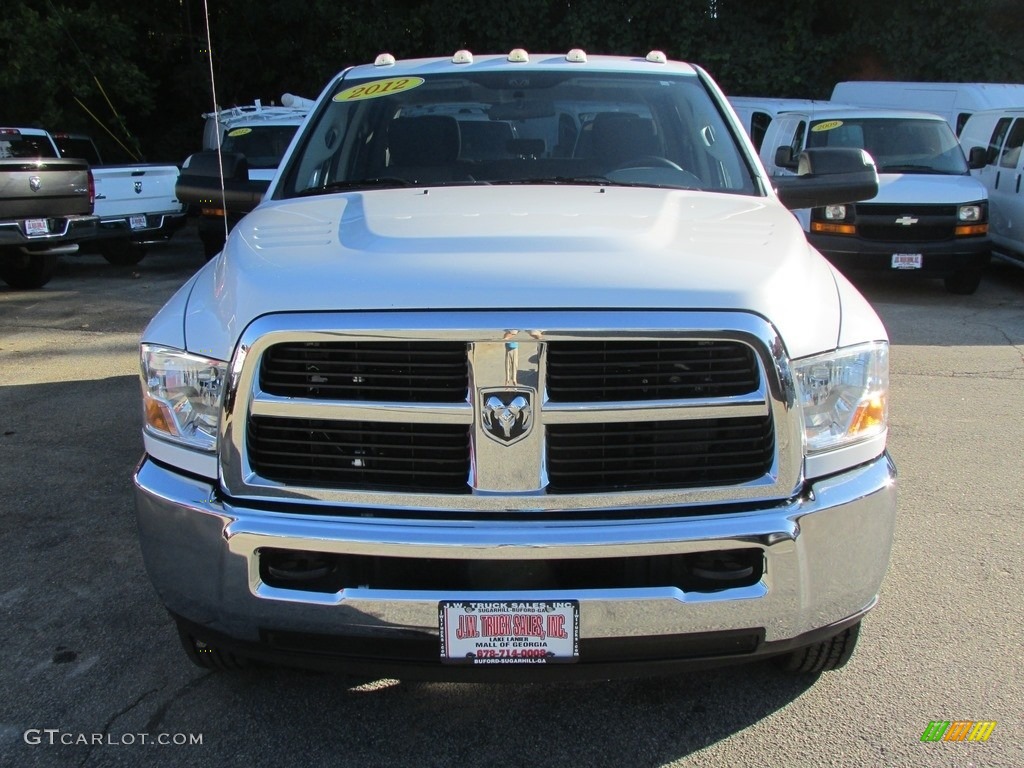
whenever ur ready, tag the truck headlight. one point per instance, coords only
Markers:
(181, 395)
(844, 395)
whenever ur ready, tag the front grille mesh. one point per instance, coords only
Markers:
(391, 371)
(368, 455)
(586, 458)
(604, 371)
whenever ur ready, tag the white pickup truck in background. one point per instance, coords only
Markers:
(136, 203)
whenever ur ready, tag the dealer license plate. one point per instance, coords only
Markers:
(907, 260)
(35, 227)
(508, 632)
(138, 222)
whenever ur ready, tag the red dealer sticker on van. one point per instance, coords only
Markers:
(378, 88)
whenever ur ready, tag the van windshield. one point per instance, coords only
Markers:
(898, 145)
(533, 127)
(262, 145)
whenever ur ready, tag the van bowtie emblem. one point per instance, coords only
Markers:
(906, 221)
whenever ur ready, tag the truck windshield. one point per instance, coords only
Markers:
(534, 127)
(898, 145)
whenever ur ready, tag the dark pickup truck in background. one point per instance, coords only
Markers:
(46, 206)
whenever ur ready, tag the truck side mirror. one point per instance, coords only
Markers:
(784, 158)
(977, 158)
(829, 176)
(199, 183)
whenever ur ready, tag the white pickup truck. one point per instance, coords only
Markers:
(521, 370)
(136, 203)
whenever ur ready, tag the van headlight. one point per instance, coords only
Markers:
(844, 395)
(181, 396)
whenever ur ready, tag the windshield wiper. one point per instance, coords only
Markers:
(910, 169)
(600, 181)
(339, 186)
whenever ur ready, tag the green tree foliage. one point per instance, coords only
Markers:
(137, 74)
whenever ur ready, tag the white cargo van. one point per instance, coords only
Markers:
(929, 217)
(257, 135)
(1000, 133)
(955, 102)
(756, 113)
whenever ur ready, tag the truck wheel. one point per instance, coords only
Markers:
(821, 657)
(208, 656)
(964, 281)
(212, 245)
(123, 253)
(25, 272)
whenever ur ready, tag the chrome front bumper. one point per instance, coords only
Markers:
(825, 555)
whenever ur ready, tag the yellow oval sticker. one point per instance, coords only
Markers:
(378, 88)
(239, 132)
(828, 125)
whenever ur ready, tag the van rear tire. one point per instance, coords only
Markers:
(964, 281)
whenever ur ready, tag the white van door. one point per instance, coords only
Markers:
(786, 130)
(1006, 200)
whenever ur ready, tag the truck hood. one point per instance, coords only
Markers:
(919, 188)
(517, 248)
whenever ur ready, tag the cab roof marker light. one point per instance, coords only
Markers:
(657, 57)
(462, 57)
(384, 60)
(519, 56)
(576, 56)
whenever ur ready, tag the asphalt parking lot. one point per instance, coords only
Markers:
(93, 675)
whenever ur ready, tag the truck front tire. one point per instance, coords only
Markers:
(27, 272)
(829, 654)
(208, 656)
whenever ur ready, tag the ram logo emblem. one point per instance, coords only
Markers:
(138, 187)
(507, 414)
(35, 183)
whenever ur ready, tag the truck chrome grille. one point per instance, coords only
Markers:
(511, 412)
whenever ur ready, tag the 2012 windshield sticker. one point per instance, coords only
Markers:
(378, 88)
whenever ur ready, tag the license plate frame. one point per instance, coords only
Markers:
(37, 227)
(509, 632)
(137, 222)
(907, 260)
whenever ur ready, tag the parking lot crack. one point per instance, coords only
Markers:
(156, 719)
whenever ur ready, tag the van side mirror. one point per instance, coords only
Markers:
(784, 158)
(199, 182)
(829, 176)
(977, 158)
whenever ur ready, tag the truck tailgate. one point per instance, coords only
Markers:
(44, 188)
(124, 190)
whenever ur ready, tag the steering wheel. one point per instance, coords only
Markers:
(651, 161)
